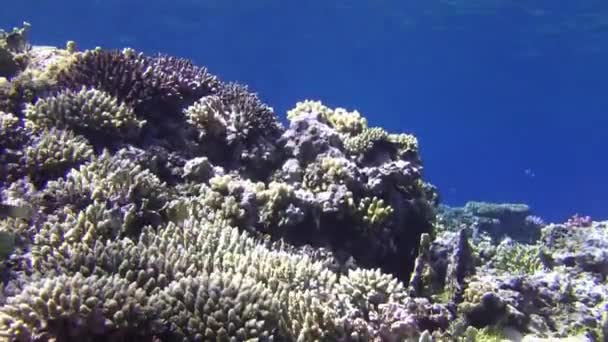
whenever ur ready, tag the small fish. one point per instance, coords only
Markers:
(529, 173)
(8, 210)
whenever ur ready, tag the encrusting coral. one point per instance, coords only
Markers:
(167, 204)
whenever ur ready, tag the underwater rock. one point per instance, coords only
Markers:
(498, 220)
(12, 46)
(505, 219)
(585, 248)
(554, 288)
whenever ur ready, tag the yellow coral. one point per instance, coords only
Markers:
(86, 109)
(54, 62)
(307, 107)
(8, 121)
(321, 175)
(406, 142)
(487, 334)
(220, 183)
(374, 210)
(71, 47)
(362, 142)
(475, 290)
(276, 196)
(350, 123)
(518, 259)
(334, 167)
(208, 115)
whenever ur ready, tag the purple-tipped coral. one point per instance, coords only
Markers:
(137, 79)
(191, 81)
(126, 75)
(579, 221)
(253, 118)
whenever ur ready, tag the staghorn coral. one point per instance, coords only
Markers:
(248, 116)
(63, 234)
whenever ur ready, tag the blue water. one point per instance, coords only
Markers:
(509, 101)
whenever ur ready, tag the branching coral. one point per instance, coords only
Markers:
(168, 204)
(11, 132)
(208, 115)
(367, 289)
(87, 111)
(275, 201)
(13, 138)
(6, 104)
(363, 142)
(348, 123)
(374, 210)
(219, 306)
(76, 306)
(128, 76)
(518, 259)
(327, 171)
(53, 153)
(121, 184)
(249, 116)
(191, 81)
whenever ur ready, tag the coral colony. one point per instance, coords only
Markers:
(145, 199)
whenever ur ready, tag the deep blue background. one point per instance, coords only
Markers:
(491, 88)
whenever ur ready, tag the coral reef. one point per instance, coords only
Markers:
(554, 288)
(167, 204)
(143, 198)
